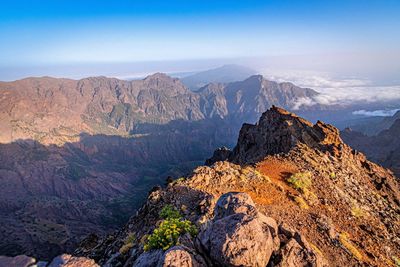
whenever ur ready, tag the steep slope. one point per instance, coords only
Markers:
(307, 199)
(224, 74)
(383, 148)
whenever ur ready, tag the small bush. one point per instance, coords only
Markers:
(344, 240)
(300, 181)
(170, 212)
(167, 234)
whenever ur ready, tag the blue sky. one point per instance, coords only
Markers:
(37, 35)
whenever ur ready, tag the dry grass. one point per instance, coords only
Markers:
(128, 243)
(357, 212)
(344, 240)
(301, 202)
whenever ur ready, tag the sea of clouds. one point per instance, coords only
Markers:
(343, 91)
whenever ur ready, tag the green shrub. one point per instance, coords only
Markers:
(170, 212)
(300, 181)
(167, 234)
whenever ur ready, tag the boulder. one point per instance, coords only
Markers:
(237, 236)
(293, 254)
(179, 256)
(233, 203)
(150, 258)
(66, 260)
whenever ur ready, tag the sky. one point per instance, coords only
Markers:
(130, 38)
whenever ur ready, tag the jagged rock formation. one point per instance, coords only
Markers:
(383, 148)
(300, 197)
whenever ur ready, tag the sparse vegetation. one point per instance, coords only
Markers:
(300, 181)
(169, 212)
(344, 240)
(316, 249)
(310, 196)
(170, 229)
(180, 179)
(167, 234)
(128, 244)
(301, 202)
(357, 212)
(396, 261)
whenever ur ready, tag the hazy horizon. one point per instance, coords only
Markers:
(346, 50)
(77, 39)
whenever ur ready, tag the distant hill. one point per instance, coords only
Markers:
(383, 148)
(224, 74)
(373, 125)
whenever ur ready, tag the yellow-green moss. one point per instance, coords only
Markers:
(300, 181)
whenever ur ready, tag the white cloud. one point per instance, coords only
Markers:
(335, 90)
(381, 113)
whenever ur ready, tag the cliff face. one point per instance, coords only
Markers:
(383, 148)
(289, 194)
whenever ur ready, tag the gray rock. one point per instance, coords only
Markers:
(180, 256)
(20, 261)
(66, 260)
(237, 240)
(233, 203)
(149, 259)
(300, 254)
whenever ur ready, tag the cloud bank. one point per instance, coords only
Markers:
(380, 113)
(345, 91)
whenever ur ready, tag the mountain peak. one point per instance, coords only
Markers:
(158, 76)
(279, 131)
(161, 81)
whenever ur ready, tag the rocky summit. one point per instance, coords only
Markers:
(290, 193)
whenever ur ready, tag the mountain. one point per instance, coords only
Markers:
(373, 125)
(78, 156)
(53, 110)
(224, 74)
(290, 193)
(383, 148)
